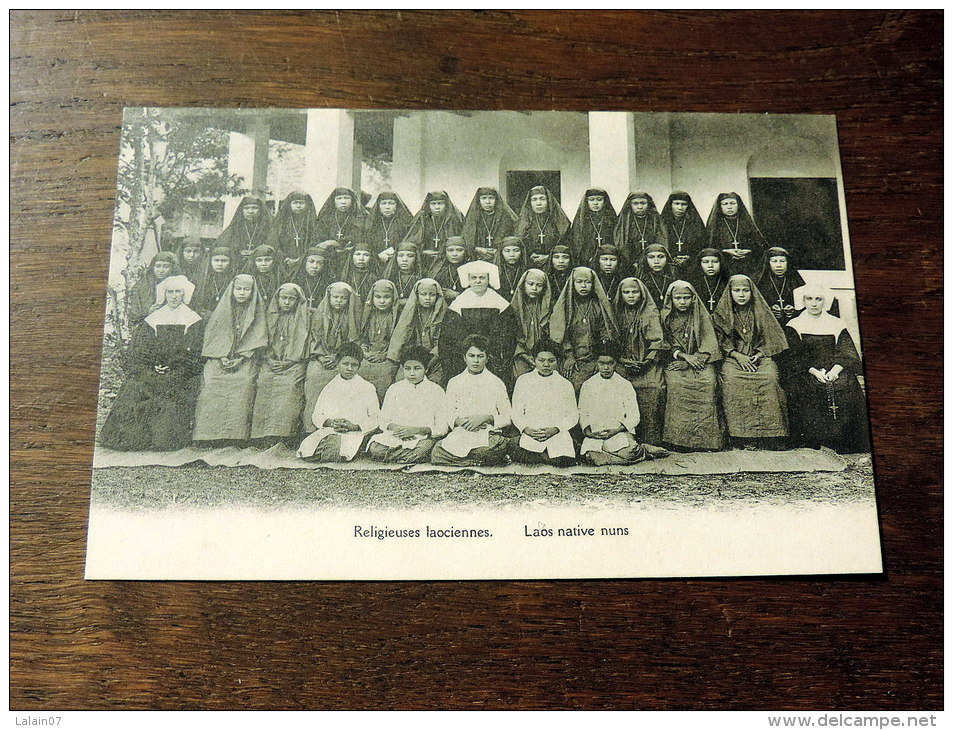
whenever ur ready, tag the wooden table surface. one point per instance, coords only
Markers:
(788, 643)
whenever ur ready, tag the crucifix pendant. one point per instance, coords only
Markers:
(736, 245)
(542, 237)
(436, 240)
(340, 234)
(711, 301)
(679, 244)
(386, 240)
(489, 240)
(598, 238)
(642, 241)
(297, 240)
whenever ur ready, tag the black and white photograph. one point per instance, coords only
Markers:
(390, 345)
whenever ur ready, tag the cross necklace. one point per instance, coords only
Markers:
(437, 231)
(711, 294)
(655, 284)
(509, 282)
(779, 292)
(680, 233)
(541, 236)
(341, 225)
(250, 235)
(684, 320)
(387, 228)
(597, 229)
(642, 229)
(734, 233)
(488, 229)
(312, 290)
(297, 235)
(360, 281)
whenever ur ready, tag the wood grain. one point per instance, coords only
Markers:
(772, 643)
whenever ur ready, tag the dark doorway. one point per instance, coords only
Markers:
(519, 183)
(801, 214)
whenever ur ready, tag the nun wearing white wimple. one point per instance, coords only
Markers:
(155, 406)
(828, 407)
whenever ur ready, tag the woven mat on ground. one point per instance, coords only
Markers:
(281, 457)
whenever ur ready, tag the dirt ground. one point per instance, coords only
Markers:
(155, 487)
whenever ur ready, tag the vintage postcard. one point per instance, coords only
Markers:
(427, 345)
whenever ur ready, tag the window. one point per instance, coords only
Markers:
(801, 214)
(519, 183)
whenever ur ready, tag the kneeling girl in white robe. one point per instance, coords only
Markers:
(413, 415)
(478, 409)
(609, 414)
(346, 411)
(544, 410)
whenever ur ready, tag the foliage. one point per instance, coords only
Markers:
(165, 160)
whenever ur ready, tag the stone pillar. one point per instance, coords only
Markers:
(241, 162)
(328, 153)
(260, 132)
(612, 162)
(407, 169)
(248, 158)
(653, 156)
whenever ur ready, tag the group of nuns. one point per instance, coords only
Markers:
(283, 326)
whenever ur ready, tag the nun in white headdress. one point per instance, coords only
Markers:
(828, 407)
(479, 310)
(155, 405)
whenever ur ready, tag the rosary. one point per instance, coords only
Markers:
(831, 405)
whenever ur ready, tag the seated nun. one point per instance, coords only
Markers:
(478, 410)
(544, 410)
(344, 414)
(413, 416)
(479, 310)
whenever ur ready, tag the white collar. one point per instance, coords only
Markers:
(166, 315)
(470, 300)
(823, 324)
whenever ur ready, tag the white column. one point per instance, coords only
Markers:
(612, 153)
(328, 152)
(653, 155)
(241, 162)
(407, 170)
(260, 132)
